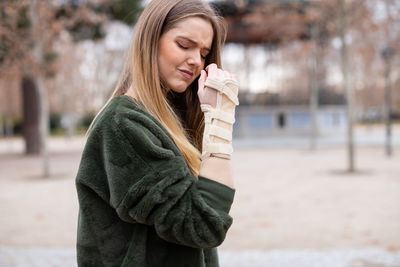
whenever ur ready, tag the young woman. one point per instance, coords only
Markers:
(154, 183)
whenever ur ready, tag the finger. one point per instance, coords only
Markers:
(203, 75)
(227, 74)
(220, 74)
(200, 82)
(202, 79)
(200, 92)
(212, 70)
(212, 65)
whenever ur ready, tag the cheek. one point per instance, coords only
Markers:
(163, 55)
(168, 59)
(164, 65)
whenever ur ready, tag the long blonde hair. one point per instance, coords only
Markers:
(141, 72)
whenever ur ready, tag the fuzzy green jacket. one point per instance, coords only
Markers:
(139, 205)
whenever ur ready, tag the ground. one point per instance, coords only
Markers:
(293, 206)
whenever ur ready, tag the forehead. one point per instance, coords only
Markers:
(195, 28)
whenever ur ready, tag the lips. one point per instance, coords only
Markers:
(187, 74)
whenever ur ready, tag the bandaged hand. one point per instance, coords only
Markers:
(218, 91)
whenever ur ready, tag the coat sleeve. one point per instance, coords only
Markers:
(150, 183)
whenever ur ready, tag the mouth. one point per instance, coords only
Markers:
(185, 73)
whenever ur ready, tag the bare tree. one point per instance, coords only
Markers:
(387, 54)
(37, 38)
(314, 87)
(342, 28)
(27, 32)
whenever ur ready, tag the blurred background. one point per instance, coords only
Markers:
(317, 132)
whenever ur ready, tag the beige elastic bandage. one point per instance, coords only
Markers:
(217, 138)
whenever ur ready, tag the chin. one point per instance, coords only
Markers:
(179, 88)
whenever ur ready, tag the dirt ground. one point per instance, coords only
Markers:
(286, 198)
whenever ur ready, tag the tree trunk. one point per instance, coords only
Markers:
(388, 100)
(44, 125)
(388, 89)
(37, 36)
(1, 125)
(346, 84)
(30, 105)
(314, 88)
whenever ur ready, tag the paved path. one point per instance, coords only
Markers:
(40, 257)
(287, 201)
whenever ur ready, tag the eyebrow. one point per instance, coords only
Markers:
(194, 42)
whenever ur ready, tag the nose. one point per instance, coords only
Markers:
(195, 59)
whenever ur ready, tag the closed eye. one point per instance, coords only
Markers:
(181, 46)
(186, 47)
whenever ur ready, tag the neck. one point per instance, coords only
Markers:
(130, 92)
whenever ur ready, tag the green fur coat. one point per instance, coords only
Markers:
(139, 205)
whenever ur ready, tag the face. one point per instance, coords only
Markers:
(182, 52)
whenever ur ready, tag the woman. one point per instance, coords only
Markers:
(147, 196)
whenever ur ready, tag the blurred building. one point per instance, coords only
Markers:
(257, 121)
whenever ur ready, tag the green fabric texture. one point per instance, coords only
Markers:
(139, 204)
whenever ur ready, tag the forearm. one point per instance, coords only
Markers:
(217, 169)
(218, 97)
